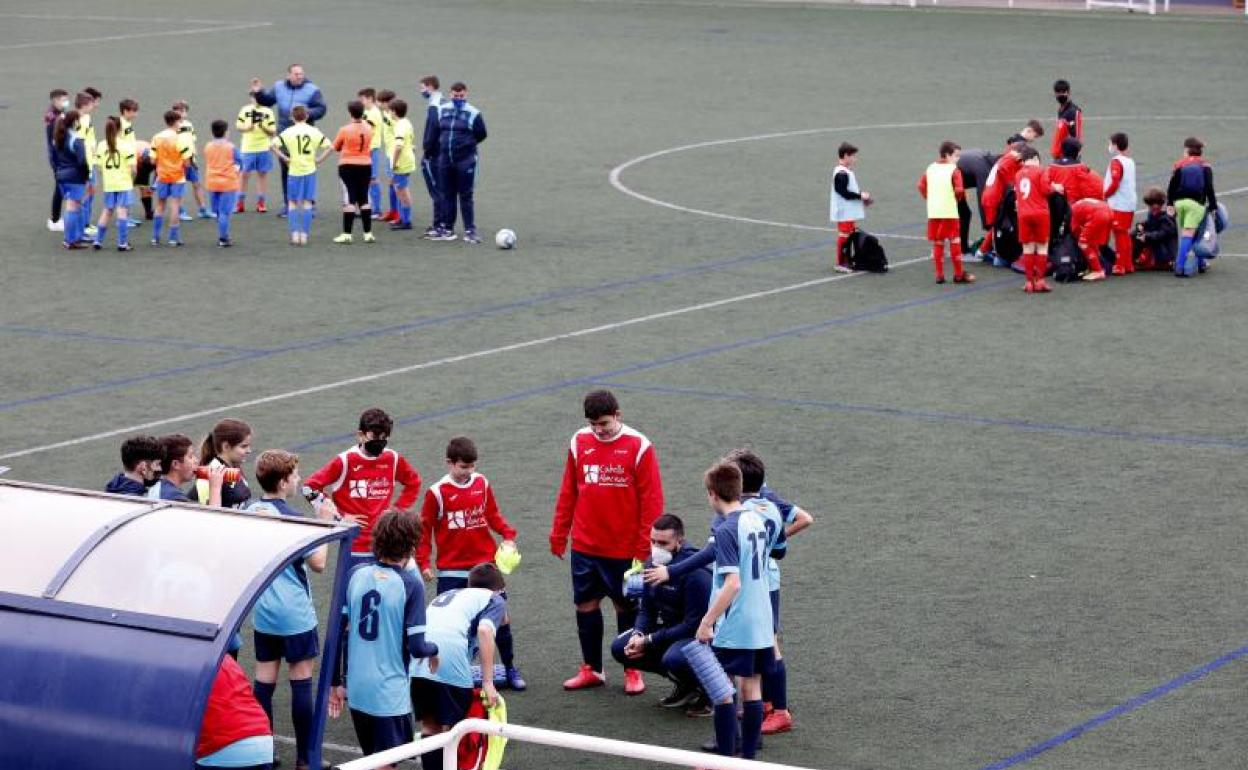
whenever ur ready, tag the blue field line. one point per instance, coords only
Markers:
(1126, 707)
(691, 355)
(152, 342)
(337, 339)
(915, 414)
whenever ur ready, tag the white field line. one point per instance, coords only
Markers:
(448, 360)
(137, 35)
(335, 747)
(120, 19)
(618, 171)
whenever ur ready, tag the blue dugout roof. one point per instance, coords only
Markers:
(114, 614)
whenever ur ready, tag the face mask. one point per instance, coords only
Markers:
(661, 557)
(459, 103)
(374, 447)
(1062, 98)
(427, 95)
(62, 105)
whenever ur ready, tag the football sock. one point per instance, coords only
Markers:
(303, 714)
(147, 206)
(506, 645)
(70, 220)
(374, 194)
(101, 232)
(751, 727)
(938, 260)
(223, 223)
(264, 696)
(955, 254)
(394, 198)
(776, 685)
(123, 232)
(158, 224)
(1185, 248)
(986, 245)
(1094, 261)
(625, 621)
(348, 222)
(175, 232)
(589, 632)
(405, 214)
(292, 221)
(840, 248)
(726, 728)
(308, 214)
(366, 220)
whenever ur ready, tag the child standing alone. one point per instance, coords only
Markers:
(941, 186)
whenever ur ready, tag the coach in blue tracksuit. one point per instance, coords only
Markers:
(285, 95)
(668, 615)
(452, 132)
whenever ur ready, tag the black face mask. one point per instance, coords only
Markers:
(374, 447)
(1062, 99)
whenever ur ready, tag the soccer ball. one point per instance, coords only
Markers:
(505, 239)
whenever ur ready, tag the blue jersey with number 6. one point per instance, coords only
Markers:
(742, 546)
(386, 613)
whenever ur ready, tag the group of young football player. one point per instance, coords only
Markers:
(377, 147)
(402, 658)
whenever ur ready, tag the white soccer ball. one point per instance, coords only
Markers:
(505, 239)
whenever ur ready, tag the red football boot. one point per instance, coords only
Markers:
(585, 678)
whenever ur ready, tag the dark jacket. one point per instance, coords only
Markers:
(1159, 233)
(120, 485)
(69, 160)
(1192, 178)
(285, 97)
(673, 610)
(453, 133)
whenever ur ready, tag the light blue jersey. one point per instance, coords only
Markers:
(285, 608)
(775, 521)
(386, 626)
(453, 620)
(741, 547)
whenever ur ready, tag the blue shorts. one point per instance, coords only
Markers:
(775, 611)
(192, 173)
(169, 189)
(260, 162)
(301, 188)
(746, 662)
(293, 648)
(401, 181)
(71, 191)
(380, 733)
(121, 199)
(378, 158)
(444, 703)
(596, 577)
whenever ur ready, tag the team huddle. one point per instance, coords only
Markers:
(1056, 219)
(377, 146)
(695, 616)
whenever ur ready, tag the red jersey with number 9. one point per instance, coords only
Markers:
(352, 144)
(1032, 188)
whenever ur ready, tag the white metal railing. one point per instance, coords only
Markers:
(638, 751)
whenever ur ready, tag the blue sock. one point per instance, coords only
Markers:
(307, 220)
(1185, 248)
(292, 220)
(776, 687)
(68, 218)
(80, 222)
(374, 195)
(123, 231)
(394, 198)
(175, 232)
(726, 728)
(751, 728)
(303, 714)
(158, 224)
(589, 632)
(101, 232)
(405, 214)
(264, 695)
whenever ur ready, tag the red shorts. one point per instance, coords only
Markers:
(1095, 232)
(846, 228)
(1033, 228)
(1123, 221)
(943, 230)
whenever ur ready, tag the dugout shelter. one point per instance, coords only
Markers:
(114, 615)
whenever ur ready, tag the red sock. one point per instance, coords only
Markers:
(840, 246)
(938, 260)
(1094, 259)
(986, 246)
(955, 253)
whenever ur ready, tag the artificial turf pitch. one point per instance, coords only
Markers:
(1028, 509)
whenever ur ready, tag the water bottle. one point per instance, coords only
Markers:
(634, 586)
(231, 476)
(715, 682)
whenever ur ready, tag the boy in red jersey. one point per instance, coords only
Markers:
(941, 186)
(1090, 222)
(1032, 188)
(362, 481)
(1070, 171)
(611, 494)
(235, 729)
(1069, 118)
(458, 515)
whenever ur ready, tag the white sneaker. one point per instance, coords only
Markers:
(843, 269)
(56, 227)
(90, 231)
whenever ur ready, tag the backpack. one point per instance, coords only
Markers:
(1065, 260)
(1206, 245)
(1005, 229)
(863, 252)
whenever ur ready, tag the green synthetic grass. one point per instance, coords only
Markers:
(1027, 508)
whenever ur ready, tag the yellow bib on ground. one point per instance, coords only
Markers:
(941, 203)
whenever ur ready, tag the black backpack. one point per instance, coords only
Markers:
(1005, 229)
(863, 252)
(1066, 260)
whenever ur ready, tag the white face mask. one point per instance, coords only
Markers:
(661, 557)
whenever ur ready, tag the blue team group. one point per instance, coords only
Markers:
(406, 664)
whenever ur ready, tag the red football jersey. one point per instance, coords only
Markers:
(1090, 221)
(1032, 188)
(612, 492)
(363, 487)
(1073, 177)
(232, 712)
(459, 518)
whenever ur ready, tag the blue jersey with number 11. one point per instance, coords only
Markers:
(742, 545)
